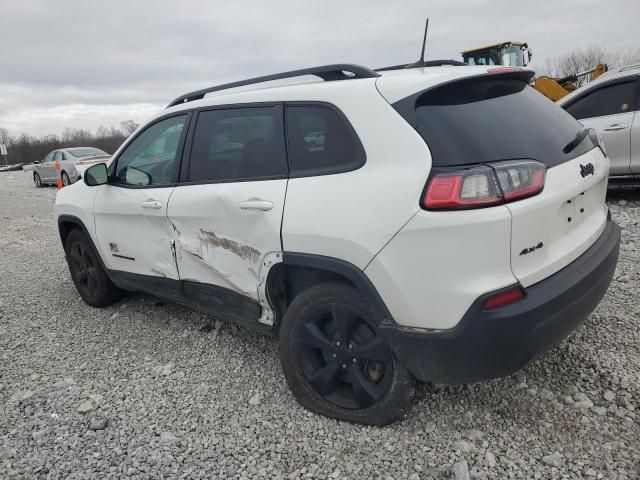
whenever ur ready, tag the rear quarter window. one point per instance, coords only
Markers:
(321, 141)
(489, 119)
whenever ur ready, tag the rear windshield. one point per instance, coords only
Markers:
(86, 152)
(490, 119)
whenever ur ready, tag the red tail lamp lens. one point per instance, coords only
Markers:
(473, 188)
(520, 179)
(503, 298)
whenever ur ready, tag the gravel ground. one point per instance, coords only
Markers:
(138, 389)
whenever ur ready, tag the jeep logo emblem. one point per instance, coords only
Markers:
(587, 169)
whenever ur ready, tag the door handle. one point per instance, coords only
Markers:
(151, 204)
(616, 126)
(256, 204)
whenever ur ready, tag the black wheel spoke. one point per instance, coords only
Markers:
(323, 379)
(76, 255)
(82, 277)
(364, 390)
(92, 284)
(312, 336)
(344, 318)
(375, 350)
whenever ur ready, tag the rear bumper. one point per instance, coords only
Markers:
(491, 344)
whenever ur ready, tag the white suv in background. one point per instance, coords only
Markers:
(450, 226)
(610, 105)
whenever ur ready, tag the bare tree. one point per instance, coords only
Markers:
(128, 127)
(26, 148)
(582, 60)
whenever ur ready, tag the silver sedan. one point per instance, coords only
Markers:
(73, 162)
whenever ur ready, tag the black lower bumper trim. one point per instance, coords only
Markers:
(491, 344)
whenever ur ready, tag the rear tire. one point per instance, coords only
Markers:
(335, 360)
(90, 279)
(65, 179)
(37, 180)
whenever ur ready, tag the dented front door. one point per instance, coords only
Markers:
(133, 232)
(224, 230)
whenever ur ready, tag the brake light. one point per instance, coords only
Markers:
(471, 188)
(503, 298)
(520, 179)
(484, 185)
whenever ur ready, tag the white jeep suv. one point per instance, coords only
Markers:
(450, 227)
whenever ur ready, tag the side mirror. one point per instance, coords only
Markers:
(96, 175)
(135, 176)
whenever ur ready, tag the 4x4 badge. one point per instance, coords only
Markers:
(587, 169)
(532, 249)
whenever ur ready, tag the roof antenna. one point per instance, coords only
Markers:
(420, 63)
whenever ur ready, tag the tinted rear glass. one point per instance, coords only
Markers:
(490, 119)
(321, 142)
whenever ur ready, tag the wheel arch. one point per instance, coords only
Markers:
(66, 223)
(300, 271)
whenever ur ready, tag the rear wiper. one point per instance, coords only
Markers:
(580, 136)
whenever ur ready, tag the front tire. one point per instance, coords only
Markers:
(37, 180)
(87, 273)
(335, 360)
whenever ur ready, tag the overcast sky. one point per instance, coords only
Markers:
(86, 63)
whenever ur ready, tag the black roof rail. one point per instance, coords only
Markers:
(427, 63)
(326, 72)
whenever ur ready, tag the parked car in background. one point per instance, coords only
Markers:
(11, 167)
(73, 162)
(610, 105)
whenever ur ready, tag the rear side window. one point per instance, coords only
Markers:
(608, 100)
(238, 144)
(490, 119)
(321, 141)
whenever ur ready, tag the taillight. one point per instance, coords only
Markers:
(460, 189)
(520, 179)
(483, 186)
(503, 298)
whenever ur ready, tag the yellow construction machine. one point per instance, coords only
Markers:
(556, 88)
(512, 54)
(518, 54)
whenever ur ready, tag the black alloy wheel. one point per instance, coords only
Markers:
(83, 269)
(343, 357)
(336, 360)
(87, 273)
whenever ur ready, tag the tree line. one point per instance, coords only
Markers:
(581, 60)
(27, 148)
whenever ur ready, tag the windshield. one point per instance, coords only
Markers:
(86, 152)
(511, 56)
(490, 119)
(490, 56)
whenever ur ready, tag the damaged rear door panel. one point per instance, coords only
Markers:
(227, 211)
(219, 243)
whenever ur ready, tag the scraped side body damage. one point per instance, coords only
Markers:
(217, 242)
(209, 258)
